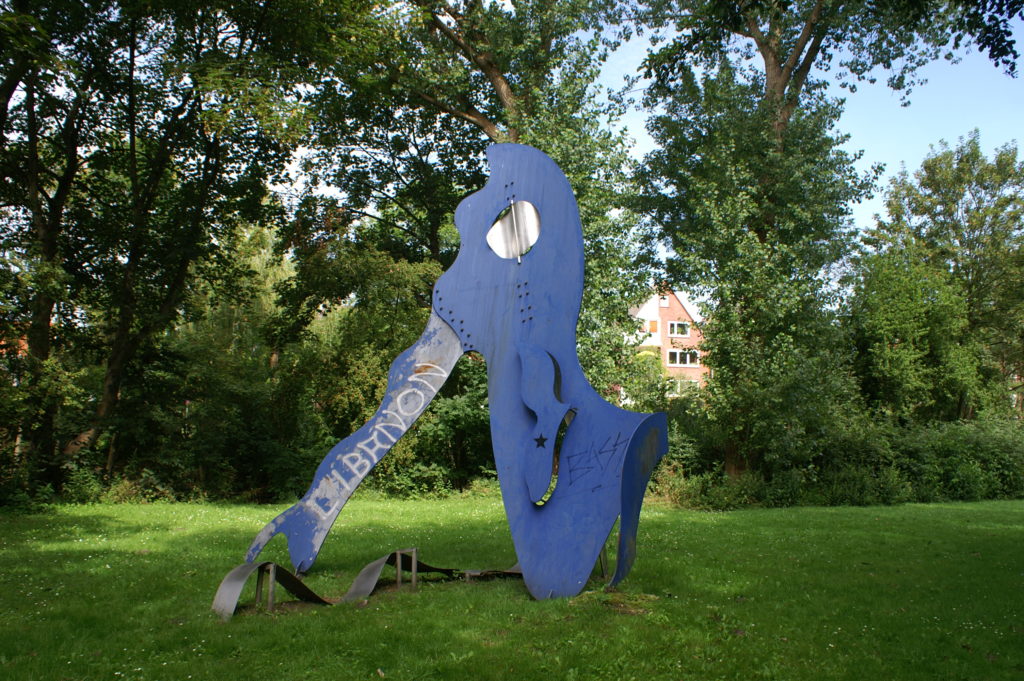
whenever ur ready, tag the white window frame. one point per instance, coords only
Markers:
(678, 385)
(685, 355)
(674, 324)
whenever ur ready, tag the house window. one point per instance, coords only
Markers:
(653, 327)
(676, 386)
(683, 358)
(679, 329)
(663, 301)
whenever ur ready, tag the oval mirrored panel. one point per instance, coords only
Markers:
(515, 230)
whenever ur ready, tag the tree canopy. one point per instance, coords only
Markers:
(941, 287)
(221, 220)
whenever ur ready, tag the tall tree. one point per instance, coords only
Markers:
(139, 135)
(752, 190)
(908, 319)
(495, 66)
(987, 23)
(792, 41)
(964, 215)
(852, 39)
(449, 77)
(756, 233)
(536, 64)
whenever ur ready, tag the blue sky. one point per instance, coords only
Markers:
(956, 99)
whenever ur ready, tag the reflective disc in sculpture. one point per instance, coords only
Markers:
(515, 231)
(512, 294)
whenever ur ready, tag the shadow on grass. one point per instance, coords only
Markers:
(914, 592)
(137, 556)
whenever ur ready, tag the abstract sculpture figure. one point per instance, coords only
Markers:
(569, 464)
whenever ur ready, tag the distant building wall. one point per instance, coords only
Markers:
(673, 332)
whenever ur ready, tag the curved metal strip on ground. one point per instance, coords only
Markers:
(367, 579)
(225, 602)
(230, 590)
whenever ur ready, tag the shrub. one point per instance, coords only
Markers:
(848, 486)
(787, 488)
(892, 487)
(965, 480)
(142, 490)
(963, 460)
(861, 462)
(15, 497)
(711, 491)
(123, 491)
(484, 486)
(82, 486)
(415, 480)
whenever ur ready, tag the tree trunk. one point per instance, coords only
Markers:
(39, 425)
(121, 353)
(126, 340)
(39, 444)
(110, 455)
(735, 463)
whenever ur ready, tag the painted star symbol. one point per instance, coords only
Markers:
(541, 441)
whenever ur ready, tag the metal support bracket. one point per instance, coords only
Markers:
(266, 573)
(413, 565)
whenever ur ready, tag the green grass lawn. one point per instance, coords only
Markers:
(924, 592)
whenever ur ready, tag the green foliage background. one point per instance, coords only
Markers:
(221, 222)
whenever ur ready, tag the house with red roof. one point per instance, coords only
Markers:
(671, 330)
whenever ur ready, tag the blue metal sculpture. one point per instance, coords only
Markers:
(568, 462)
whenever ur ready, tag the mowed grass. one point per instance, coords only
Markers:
(924, 592)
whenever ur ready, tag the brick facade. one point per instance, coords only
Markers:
(673, 332)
